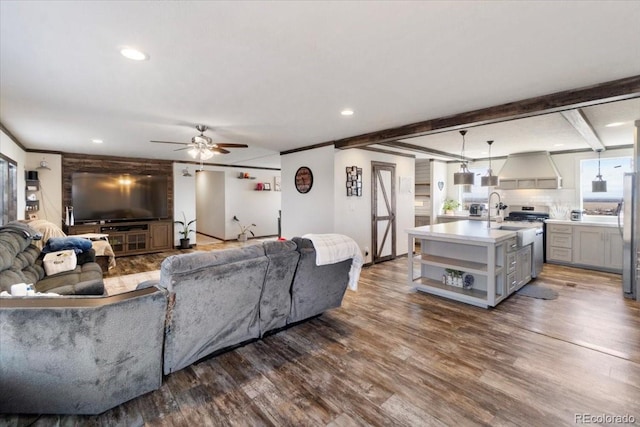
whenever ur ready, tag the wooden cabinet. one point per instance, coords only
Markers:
(160, 235)
(131, 238)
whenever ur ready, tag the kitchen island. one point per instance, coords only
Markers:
(467, 261)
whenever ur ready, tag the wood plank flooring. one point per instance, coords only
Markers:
(390, 356)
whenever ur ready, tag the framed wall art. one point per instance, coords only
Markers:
(354, 181)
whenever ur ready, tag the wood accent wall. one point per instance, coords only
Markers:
(89, 163)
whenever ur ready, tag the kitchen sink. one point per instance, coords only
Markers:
(525, 235)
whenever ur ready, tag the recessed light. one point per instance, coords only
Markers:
(97, 141)
(347, 112)
(614, 124)
(135, 54)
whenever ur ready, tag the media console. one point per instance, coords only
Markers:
(132, 238)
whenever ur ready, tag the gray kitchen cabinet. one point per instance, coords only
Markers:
(560, 243)
(597, 247)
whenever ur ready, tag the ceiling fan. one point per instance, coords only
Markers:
(202, 147)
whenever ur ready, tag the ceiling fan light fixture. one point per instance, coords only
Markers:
(599, 185)
(464, 176)
(489, 180)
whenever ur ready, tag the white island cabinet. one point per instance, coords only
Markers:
(466, 249)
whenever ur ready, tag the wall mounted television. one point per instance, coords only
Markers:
(118, 197)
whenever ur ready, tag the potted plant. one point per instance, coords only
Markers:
(244, 229)
(186, 230)
(449, 206)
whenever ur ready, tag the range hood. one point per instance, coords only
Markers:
(529, 170)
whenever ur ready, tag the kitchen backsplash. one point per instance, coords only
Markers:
(559, 202)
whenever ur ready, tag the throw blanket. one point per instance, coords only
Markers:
(78, 244)
(103, 248)
(333, 248)
(47, 229)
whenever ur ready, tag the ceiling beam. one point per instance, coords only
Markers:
(420, 149)
(616, 90)
(578, 120)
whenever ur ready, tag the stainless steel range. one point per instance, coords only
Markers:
(530, 217)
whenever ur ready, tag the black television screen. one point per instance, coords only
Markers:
(118, 197)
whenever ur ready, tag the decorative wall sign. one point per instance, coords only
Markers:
(354, 181)
(440, 185)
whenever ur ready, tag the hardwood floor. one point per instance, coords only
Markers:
(390, 356)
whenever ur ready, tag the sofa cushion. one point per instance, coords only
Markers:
(85, 279)
(275, 302)
(216, 302)
(316, 288)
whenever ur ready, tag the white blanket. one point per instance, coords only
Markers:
(333, 248)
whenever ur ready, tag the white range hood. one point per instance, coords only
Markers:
(529, 170)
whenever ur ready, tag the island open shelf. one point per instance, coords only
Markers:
(471, 251)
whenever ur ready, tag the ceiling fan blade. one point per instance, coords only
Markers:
(219, 150)
(180, 149)
(232, 145)
(171, 142)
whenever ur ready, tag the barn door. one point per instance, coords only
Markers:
(383, 211)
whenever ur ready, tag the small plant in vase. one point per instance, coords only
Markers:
(186, 230)
(244, 229)
(449, 206)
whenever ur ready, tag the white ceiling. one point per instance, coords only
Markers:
(275, 75)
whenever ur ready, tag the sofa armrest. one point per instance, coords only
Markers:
(80, 355)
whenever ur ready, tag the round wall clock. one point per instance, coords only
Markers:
(304, 180)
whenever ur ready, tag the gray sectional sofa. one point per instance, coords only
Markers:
(21, 262)
(84, 355)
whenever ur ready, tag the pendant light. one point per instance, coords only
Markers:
(489, 180)
(599, 185)
(464, 177)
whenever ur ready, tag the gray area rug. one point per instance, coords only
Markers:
(535, 291)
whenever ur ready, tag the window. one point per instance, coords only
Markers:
(475, 193)
(9, 184)
(612, 170)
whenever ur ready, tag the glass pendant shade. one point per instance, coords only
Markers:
(201, 154)
(599, 185)
(464, 176)
(489, 180)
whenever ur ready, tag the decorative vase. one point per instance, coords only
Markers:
(66, 216)
(185, 243)
(71, 221)
(242, 237)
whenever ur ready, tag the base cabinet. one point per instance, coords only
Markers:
(596, 247)
(131, 238)
(599, 247)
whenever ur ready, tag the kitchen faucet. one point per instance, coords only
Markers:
(489, 210)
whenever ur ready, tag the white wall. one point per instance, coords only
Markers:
(210, 203)
(251, 206)
(10, 149)
(312, 212)
(50, 186)
(240, 198)
(353, 214)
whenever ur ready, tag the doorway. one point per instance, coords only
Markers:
(383, 211)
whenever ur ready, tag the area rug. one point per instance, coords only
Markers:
(535, 291)
(120, 284)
